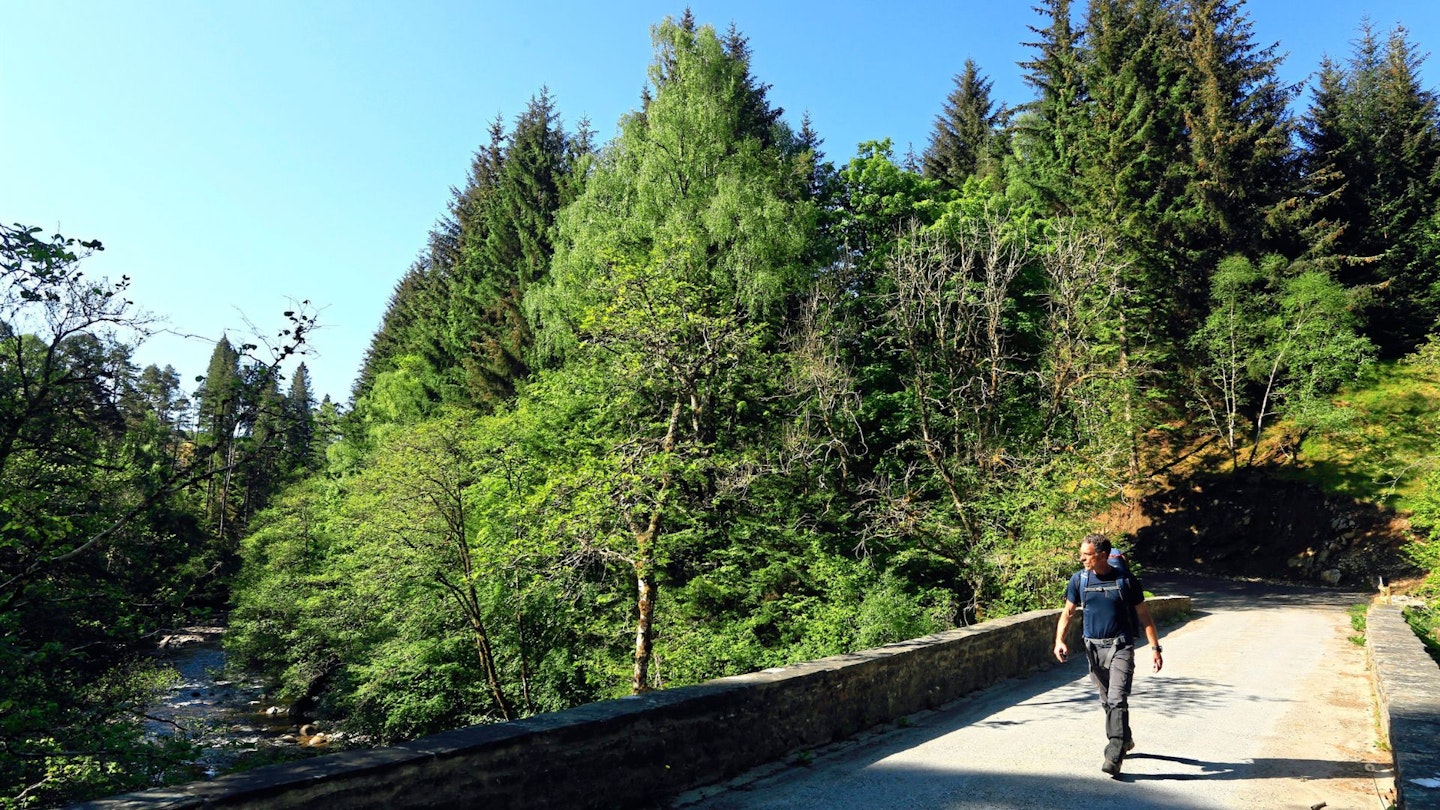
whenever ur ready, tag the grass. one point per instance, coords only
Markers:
(1382, 453)
(1357, 623)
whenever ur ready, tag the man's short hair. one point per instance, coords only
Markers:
(1099, 541)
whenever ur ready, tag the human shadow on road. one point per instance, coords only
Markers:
(1259, 768)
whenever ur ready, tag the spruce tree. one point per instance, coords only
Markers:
(1320, 206)
(299, 423)
(1134, 165)
(457, 310)
(1406, 305)
(965, 137)
(266, 423)
(1048, 130)
(1371, 155)
(219, 395)
(1239, 131)
(409, 326)
(527, 177)
(218, 413)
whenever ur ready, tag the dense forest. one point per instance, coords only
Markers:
(702, 400)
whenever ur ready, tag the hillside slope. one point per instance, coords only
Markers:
(1335, 512)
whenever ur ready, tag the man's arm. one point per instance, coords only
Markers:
(1142, 611)
(1066, 613)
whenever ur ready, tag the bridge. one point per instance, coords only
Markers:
(1264, 701)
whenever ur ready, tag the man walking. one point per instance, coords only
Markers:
(1113, 611)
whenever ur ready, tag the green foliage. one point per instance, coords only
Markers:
(455, 323)
(1047, 133)
(290, 610)
(302, 444)
(1239, 133)
(90, 518)
(112, 522)
(1425, 621)
(1424, 550)
(1386, 451)
(672, 273)
(879, 199)
(1425, 511)
(1274, 343)
(1164, 124)
(72, 729)
(219, 395)
(421, 593)
(992, 377)
(891, 611)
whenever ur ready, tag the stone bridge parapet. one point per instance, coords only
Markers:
(639, 751)
(1407, 686)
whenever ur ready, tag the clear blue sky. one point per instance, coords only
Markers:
(234, 156)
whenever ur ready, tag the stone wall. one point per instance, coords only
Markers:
(638, 751)
(1407, 684)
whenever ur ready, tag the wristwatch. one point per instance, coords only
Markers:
(1159, 649)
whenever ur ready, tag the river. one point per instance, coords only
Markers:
(229, 718)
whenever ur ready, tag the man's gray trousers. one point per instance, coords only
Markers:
(1112, 670)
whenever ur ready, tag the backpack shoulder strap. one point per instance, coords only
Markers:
(1132, 617)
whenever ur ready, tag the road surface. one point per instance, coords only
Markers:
(1264, 702)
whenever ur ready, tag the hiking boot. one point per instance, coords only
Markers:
(1114, 755)
(1129, 746)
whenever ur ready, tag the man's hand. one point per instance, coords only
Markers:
(1159, 662)
(1061, 651)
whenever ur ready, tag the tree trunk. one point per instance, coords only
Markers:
(225, 490)
(1132, 432)
(644, 628)
(646, 588)
(487, 654)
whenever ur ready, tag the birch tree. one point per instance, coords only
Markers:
(670, 278)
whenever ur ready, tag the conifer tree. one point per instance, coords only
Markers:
(515, 193)
(458, 309)
(219, 394)
(1048, 129)
(299, 423)
(758, 117)
(966, 132)
(267, 421)
(1372, 150)
(393, 337)
(328, 426)
(1316, 211)
(414, 327)
(1239, 132)
(1133, 167)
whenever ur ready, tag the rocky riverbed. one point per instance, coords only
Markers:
(229, 717)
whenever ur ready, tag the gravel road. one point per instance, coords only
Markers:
(1263, 702)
